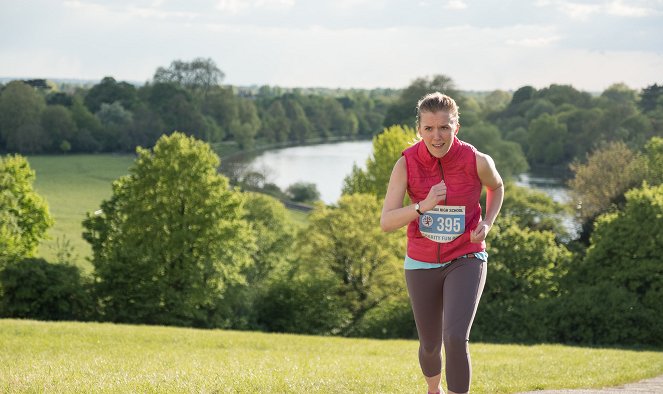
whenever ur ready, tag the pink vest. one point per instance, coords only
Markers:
(459, 169)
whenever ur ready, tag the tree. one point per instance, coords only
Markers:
(601, 182)
(273, 233)
(303, 192)
(361, 262)
(403, 110)
(649, 98)
(387, 148)
(547, 136)
(654, 157)
(109, 91)
(199, 75)
(58, 124)
(532, 209)
(622, 268)
(35, 289)
(525, 268)
(508, 155)
(170, 239)
(24, 216)
(20, 111)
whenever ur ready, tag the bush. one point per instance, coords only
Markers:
(300, 306)
(36, 289)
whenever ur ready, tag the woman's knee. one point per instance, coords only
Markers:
(455, 341)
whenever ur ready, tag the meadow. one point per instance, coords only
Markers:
(74, 185)
(107, 358)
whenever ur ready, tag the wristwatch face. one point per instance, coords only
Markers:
(416, 206)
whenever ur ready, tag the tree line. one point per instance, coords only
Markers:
(114, 116)
(550, 127)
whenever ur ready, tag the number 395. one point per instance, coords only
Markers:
(448, 225)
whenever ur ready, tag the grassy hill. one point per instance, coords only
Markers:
(93, 357)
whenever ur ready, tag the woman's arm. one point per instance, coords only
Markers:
(490, 178)
(394, 215)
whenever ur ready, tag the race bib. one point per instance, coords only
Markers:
(443, 224)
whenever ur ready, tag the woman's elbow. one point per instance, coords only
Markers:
(384, 225)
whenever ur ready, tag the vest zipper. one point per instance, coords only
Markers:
(444, 202)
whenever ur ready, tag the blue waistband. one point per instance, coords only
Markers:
(412, 264)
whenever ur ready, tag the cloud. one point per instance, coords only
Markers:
(533, 42)
(455, 5)
(239, 6)
(619, 8)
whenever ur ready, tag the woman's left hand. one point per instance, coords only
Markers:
(479, 234)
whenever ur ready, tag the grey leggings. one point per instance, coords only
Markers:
(444, 301)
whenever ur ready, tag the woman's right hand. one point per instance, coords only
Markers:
(437, 194)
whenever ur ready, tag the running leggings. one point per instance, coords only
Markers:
(444, 301)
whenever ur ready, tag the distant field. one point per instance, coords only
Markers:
(72, 186)
(92, 357)
(76, 184)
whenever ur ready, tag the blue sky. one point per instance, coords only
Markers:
(481, 45)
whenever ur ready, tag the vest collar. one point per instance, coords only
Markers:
(425, 157)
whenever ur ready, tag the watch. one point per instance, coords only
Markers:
(416, 208)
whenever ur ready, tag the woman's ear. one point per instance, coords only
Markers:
(457, 128)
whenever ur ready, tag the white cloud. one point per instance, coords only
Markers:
(455, 5)
(582, 11)
(238, 6)
(533, 42)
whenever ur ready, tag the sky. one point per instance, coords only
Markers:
(481, 45)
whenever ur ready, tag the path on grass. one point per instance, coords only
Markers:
(653, 385)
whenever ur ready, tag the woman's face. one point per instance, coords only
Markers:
(437, 131)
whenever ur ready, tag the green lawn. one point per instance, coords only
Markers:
(93, 357)
(76, 184)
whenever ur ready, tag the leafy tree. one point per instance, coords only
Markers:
(303, 192)
(24, 216)
(276, 125)
(387, 148)
(403, 110)
(109, 91)
(360, 261)
(654, 157)
(495, 101)
(565, 94)
(20, 111)
(601, 182)
(650, 97)
(532, 209)
(622, 269)
(546, 141)
(58, 125)
(170, 239)
(199, 75)
(523, 94)
(274, 234)
(35, 289)
(508, 155)
(525, 268)
(115, 119)
(88, 129)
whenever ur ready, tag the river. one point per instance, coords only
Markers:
(327, 165)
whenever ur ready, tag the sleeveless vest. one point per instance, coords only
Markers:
(459, 170)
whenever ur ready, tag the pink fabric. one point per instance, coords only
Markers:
(463, 188)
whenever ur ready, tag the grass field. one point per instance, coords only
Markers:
(74, 185)
(93, 357)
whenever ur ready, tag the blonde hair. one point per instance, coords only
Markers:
(435, 102)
